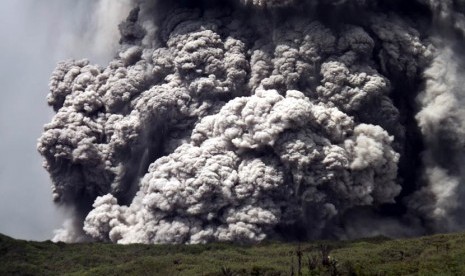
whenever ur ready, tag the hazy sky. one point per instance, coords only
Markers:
(35, 36)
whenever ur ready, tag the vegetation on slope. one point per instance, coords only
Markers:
(432, 255)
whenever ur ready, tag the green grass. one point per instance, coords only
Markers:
(432, 255)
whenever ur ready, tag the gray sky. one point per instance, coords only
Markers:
(35, 36)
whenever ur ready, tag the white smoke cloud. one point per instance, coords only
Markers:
(441, 122)
(213, 124)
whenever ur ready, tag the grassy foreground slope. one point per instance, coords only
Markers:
(432, 255)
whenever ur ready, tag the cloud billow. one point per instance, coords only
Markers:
(224, 121)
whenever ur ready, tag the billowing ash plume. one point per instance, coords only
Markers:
(245, 120)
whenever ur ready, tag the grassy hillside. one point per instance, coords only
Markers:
(433, 255)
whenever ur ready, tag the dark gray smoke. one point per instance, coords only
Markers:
(245, 120)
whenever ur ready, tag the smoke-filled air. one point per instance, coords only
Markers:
(248, 120)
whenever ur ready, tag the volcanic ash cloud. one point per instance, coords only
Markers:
(221, 121)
